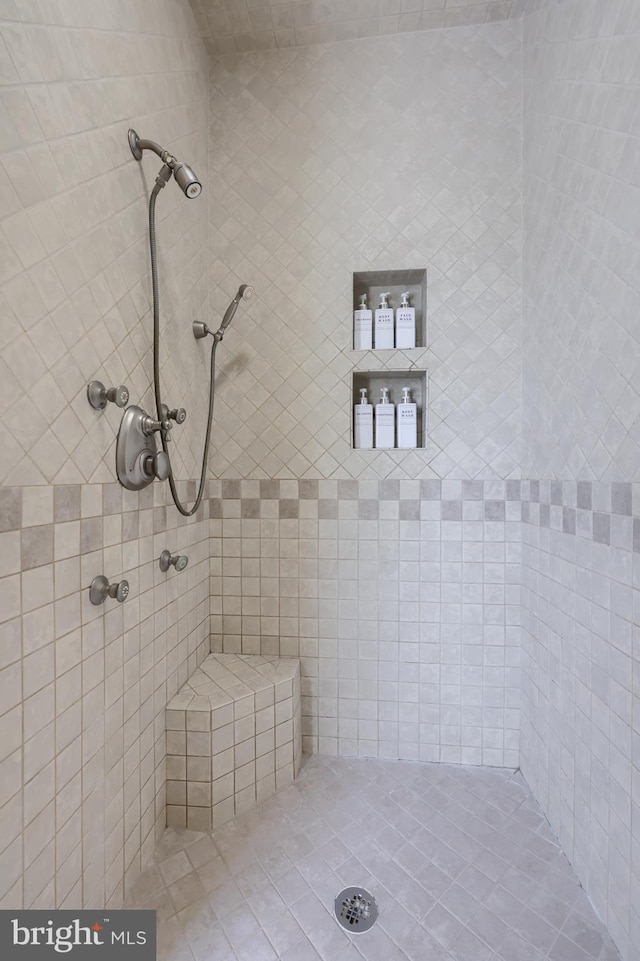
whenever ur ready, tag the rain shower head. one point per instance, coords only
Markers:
(182, 173)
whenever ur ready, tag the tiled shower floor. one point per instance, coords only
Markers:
(461, 861)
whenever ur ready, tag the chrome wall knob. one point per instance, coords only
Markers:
(101, 589)
(167, 560)
(99, 395)
(178, 414)
(157, 465)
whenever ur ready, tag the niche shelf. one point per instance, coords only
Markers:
(416, 380)
(374, 282)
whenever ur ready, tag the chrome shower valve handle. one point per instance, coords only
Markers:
(150, 426)
(101, 589)
(178, 414)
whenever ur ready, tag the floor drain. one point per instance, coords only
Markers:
(356, 910)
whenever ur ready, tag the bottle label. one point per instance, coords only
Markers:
(405, 318)
(364, 413)
(384, 414)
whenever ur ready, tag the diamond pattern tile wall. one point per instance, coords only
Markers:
(230, 26)
(378, 154)
(582, 338)
(74, 281)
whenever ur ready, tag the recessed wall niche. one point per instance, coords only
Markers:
(375, 282)
(394, 380)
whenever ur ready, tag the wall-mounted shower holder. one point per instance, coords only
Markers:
(101, 589)
(99, 396)
(138, 462)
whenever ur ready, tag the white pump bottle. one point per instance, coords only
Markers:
(407, 421)
(405, 323)
(363, 423)
(385, 421)
(384, 339)
(362, 326)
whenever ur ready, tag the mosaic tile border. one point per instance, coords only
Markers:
(605, 513)
(249, 499)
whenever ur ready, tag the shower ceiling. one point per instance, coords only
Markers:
(235, 25)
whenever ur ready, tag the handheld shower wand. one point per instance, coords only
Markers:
(245, 292)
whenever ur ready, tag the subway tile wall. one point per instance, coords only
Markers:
(82, 796)
(230, 26)
(368, 155)
(581, 405)
(401, 599)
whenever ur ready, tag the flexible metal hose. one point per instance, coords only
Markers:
(186, 512)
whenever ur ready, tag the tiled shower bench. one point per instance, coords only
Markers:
(233, 737)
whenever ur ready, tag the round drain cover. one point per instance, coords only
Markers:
(356, 910)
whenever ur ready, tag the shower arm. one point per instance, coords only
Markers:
(137, 145)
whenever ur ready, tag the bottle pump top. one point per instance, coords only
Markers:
(383, 299)
(405, 299)
(406, 394)
(363, 302)
(363, 395)
(384, 395)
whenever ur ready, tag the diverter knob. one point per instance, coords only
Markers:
(157, 465)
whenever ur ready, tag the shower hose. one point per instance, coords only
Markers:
(186, 512)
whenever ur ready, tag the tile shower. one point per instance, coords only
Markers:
(476, 603)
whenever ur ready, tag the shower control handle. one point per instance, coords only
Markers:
(178, 414)
(157, 465)
(99, 395)
(101, 589)
(149, 426)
